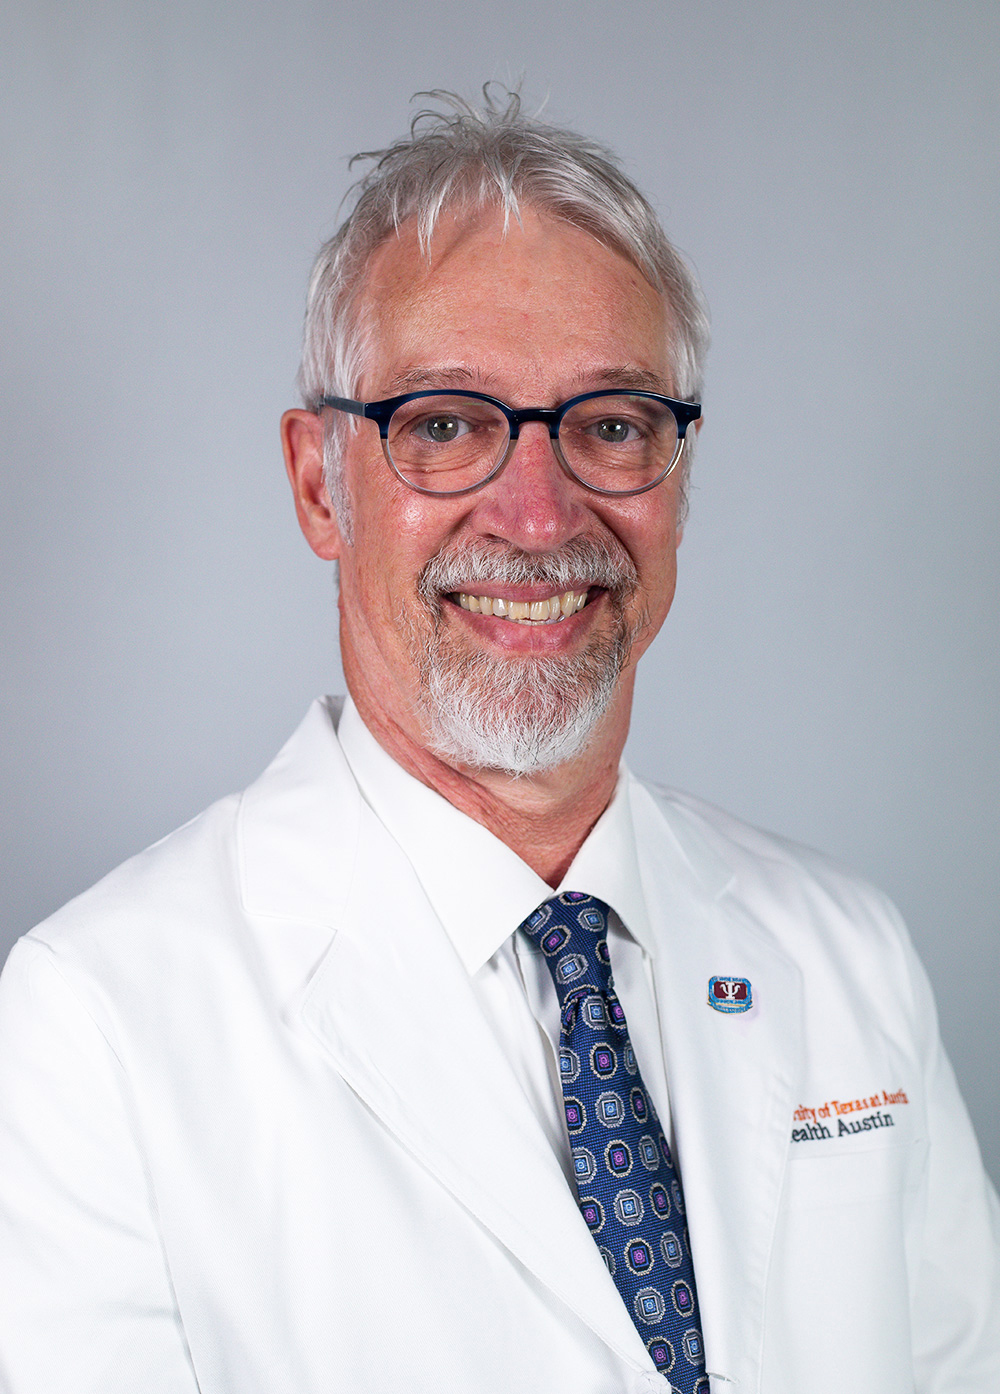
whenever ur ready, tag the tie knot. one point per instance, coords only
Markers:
(571, 930)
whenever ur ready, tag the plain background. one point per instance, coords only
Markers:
(830, 669)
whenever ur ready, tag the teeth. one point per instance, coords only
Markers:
(556, 607)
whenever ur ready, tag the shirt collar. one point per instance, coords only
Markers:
(481, 890)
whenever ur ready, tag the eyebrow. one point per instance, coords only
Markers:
(627, 378)
(414, 379)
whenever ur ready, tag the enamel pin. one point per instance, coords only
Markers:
(730, 994)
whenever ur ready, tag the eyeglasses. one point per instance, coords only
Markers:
(451, 443)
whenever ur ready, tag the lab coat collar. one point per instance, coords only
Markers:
(299, 825)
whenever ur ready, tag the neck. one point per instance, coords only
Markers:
(543, 817)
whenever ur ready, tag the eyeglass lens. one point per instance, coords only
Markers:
(614, 442)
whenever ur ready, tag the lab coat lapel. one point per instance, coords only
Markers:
(732, 1078)
(392, 1007)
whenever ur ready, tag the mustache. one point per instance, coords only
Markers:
(579, 563)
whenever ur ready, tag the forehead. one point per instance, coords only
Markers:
(539, 305)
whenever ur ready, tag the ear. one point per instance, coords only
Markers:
(302, 442)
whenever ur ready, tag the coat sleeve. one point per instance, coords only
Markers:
(956, 1276)
(85, 1296)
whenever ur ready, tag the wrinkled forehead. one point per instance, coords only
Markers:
(487, 294)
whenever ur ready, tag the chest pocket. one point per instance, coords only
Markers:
(851, 1175)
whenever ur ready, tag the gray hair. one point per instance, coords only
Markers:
(474, 157)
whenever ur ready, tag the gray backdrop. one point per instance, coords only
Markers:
(830, 669)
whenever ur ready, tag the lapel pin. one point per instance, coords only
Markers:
(730, 994)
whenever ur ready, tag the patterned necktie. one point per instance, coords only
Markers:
(629, 1191)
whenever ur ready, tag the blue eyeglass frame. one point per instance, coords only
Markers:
(381, 412)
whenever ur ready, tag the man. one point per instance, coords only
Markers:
(334, 1089)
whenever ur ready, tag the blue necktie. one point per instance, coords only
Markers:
(628, 1188)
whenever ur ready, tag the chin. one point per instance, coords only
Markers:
(522, 716)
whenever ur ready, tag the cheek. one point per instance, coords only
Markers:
(383, 507)
(650, 536)
(648, 530)
(667, 569)
(657, 582)
(396, 532)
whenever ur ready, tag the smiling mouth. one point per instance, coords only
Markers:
(552, 610)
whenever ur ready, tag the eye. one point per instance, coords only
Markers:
(615, 430)
(442, 428)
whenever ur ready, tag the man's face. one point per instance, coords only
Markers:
(532, 317)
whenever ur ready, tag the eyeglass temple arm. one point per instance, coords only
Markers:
(344, 404)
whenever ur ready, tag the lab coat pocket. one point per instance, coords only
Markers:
(855, 1174)
(843, 1253)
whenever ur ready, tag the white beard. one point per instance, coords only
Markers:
(521, 715)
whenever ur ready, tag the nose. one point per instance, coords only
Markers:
(533, 503)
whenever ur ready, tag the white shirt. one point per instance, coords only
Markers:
(481, 891)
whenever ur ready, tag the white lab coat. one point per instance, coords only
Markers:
(258, 1139)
